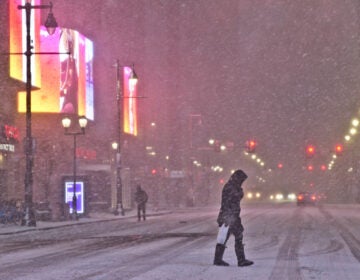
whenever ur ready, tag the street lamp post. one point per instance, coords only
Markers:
(66, 122)
(50, 24)
(119, 97)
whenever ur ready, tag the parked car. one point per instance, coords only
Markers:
(306, 198)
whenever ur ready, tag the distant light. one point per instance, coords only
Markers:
(114, 145)
(355, 122)
(217, 168)
(291, 196)
(347, 137)
(211, 141)
(353, 131)
(339, 149)
(310, 151)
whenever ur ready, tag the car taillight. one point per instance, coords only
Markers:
(313, 197)
(300, 197)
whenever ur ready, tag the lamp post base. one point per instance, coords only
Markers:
(29, 218)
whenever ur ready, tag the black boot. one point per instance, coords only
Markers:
(219, 252)
(242, 261)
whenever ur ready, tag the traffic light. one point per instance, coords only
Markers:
(310, 151)
(250, 146)
(339, 149)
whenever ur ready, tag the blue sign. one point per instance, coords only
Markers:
(79, 192)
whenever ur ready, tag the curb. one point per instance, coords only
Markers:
(21, 229)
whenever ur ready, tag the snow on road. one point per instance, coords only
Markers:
(285, 241)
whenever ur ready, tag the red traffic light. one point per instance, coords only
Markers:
(310, 151)
(250, 146)
(339, 149)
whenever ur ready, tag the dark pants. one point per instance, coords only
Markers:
(141, 209)
(237, 230)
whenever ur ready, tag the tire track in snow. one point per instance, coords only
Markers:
(351, 241)
(287, 264)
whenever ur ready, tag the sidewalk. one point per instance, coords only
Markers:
(7, 229)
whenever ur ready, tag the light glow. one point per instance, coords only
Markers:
(60, 88)
(129, 103)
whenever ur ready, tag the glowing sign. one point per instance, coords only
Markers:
(129, 103)
(79, 192)
(65, 81)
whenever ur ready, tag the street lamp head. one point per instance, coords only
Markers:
(83, 123)
(66, 122)
(51, 23)
(114, 145)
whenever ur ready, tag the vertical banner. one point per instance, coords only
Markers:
(69, 193)
(129, 103)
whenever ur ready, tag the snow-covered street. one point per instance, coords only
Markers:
(284, 241)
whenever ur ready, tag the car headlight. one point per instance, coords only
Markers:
(291, 196)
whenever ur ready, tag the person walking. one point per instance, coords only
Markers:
(229, 220)
(141, 198)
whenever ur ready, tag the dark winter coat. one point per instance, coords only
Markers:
(232, 193)
(141, 196)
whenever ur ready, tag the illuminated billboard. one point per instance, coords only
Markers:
(65, 81)
(129, 103)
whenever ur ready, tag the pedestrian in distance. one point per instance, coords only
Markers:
(141, 198)
(229, 220)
